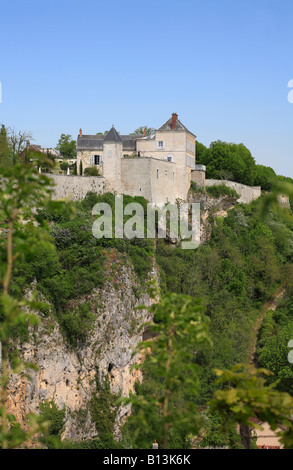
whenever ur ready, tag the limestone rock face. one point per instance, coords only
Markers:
(67, 374)
(216, 207)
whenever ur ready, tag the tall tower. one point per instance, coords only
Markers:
(112, 146)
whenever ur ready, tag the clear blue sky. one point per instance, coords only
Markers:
(222, 65)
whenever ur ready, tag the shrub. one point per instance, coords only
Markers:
(49, 411)
(92, 171)
(196, 189)
(218, 190)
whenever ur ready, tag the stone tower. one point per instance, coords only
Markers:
(112, 149)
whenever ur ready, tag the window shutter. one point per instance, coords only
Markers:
(92, 160)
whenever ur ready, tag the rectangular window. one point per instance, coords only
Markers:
(109, 153)
(97, 159)
(157, 174)
(160, 145)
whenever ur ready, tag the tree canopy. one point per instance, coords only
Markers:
(143, 130)
(66, 146)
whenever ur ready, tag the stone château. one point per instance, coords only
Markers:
(159, 167)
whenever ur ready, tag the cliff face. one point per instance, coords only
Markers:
(67, 374)
(210, 206)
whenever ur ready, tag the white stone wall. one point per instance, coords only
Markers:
(76, 187)
(175, 143)
(151, 178)
(112, 158)
(135, 174)
(246, 193)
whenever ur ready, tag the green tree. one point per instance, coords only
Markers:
(245, 397)
(265, 177)
(230, 160)
(143, 130)
(4, 146)
(17, 142)
(200, 153)
(179, 328)
(23, 189)
(66, 146)
(64, 166)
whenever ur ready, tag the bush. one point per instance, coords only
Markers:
(196, 189)
(50, 412)
(77, 324)
(92, 171)
(218, 190)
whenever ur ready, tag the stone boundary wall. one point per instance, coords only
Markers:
(246, 193)
(76, 187)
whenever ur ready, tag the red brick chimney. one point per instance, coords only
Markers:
(80, 132)
(174, 120)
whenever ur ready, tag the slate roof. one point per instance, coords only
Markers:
(112, 136)
(95, 142)
(90, 142)
(179, 126)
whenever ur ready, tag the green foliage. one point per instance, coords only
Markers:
(77, 323)
(234, 162)
(196, 189)
(248, 397)
(66, 146)
(92, 171)
(275, 333)
(23, 189)
(233, 158)
(218, 190)
(179, 328)
(64, 166)
(50, 413)
(73, 263)
(200, 153)
(212, 435)
(103, 408)
(233, 274)
(265, 177)
(4, 146)
(143, 130)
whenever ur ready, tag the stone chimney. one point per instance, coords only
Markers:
(174, 120)
(80, 132)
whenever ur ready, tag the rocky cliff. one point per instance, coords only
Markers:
(210, 207)
(67, 374)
